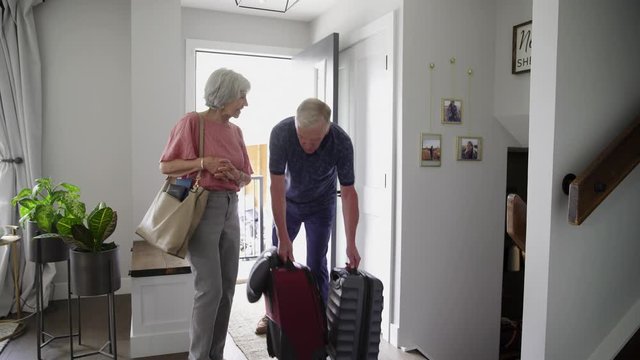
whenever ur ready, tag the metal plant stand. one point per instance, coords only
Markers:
(111, 343)
(104, 265)
(44, 338)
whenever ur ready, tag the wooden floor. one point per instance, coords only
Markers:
(94, 334)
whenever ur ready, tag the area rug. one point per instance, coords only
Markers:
(242, 325)
(6, 329)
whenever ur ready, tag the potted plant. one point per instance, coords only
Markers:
(94, 262)
(41, 208)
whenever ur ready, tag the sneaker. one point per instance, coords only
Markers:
(261, 327)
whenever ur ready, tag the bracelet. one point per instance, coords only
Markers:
(201, 163)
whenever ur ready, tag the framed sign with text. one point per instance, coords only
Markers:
(521, 52)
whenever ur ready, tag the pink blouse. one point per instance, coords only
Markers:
(220, 140)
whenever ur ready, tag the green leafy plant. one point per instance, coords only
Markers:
(46, 203)
(88, 233)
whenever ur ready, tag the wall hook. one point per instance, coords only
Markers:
(566, 182)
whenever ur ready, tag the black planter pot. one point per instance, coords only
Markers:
(43, 251)
(94, 273)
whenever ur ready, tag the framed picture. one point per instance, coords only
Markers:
(521, 50)
(451, 111)
(469, 148)
(430, 149)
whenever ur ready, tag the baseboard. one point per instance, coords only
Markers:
(159, 344)
(60, 288)
(619, 335)
(393, 334)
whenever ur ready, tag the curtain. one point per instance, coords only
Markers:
(20, 136)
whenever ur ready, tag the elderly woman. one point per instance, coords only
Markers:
(214, 247)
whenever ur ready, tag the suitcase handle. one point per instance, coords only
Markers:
(337, 273)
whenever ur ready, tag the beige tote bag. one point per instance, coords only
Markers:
(169, 222)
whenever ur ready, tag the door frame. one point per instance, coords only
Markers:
(348, 39)
(193, 45)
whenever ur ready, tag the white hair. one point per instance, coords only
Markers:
(223, 87)
(311, 111)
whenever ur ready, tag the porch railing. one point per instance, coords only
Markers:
(251, 214)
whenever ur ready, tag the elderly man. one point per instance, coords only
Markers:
(308, 153)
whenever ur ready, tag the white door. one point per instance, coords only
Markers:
(366, 113)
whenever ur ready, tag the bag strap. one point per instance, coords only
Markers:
(200, 149)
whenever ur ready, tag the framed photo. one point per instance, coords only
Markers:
(469, 148)
(521, 51)
(451, 111)
(430, 149)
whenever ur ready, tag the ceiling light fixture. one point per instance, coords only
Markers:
(280, 6)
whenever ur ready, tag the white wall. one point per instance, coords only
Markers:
(157, 88)
(159, 30)
(113, 86)
(511, 91)
(452, 226)
(581, 281)
(234, 28)
(85, 50)
(449, 264)
(345, 16)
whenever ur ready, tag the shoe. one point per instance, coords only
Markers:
(261, 327)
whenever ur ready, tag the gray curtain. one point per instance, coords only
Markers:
(20, 135)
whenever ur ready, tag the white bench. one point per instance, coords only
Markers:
(161, 302)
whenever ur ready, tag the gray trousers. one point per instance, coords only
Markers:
(213, 253)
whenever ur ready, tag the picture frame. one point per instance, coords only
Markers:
(521, 48)
(469, 148)
(451, 111)
(430, 149)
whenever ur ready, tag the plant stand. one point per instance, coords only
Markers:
(95, 274)
(110, 348)
(44, 338)
(45, 251)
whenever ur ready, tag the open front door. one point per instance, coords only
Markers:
(366, 98)
(319, 64)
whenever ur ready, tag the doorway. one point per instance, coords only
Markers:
(268, 75)
(513, 265)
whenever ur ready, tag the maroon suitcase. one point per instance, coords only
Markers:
(297, 322)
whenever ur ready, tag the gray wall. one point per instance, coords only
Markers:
(86, 75)
(581, 288)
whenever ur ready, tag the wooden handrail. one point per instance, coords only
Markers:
(517, 221)
(604, 174)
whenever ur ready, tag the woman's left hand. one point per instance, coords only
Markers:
(226, 171)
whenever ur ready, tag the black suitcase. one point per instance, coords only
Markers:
(354, 314)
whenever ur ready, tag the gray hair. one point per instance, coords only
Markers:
(311, 111)
(223, 87)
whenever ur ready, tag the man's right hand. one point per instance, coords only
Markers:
(285, 250)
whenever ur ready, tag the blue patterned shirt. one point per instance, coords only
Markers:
(311, 178)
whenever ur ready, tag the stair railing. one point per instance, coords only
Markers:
(603, 175)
